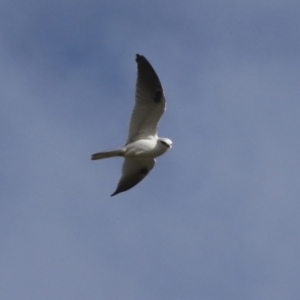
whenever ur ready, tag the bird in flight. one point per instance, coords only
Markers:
(143, 145)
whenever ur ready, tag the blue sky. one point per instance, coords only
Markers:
(218, 216)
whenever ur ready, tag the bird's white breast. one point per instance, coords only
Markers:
(144, 148)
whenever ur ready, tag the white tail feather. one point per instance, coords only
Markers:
(107, 154)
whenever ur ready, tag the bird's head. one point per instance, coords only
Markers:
(165, 142)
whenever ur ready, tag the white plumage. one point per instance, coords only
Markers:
(143, 145)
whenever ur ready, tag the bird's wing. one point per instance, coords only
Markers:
(134, 170)
(150, 102)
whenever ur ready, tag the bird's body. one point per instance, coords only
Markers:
(143, 145)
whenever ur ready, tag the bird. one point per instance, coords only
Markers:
(143, 144)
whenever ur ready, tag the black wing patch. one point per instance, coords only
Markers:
(144, 171)
(158, 96)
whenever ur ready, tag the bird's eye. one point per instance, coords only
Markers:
(164, 143)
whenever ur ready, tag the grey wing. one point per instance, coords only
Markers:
(134, 170)
(150, 102)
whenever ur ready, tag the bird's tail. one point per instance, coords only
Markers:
(107, 154)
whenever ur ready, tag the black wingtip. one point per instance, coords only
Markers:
(146, 71)
(138, 57)
(120, 190)
(141, 58)
(115, 193)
